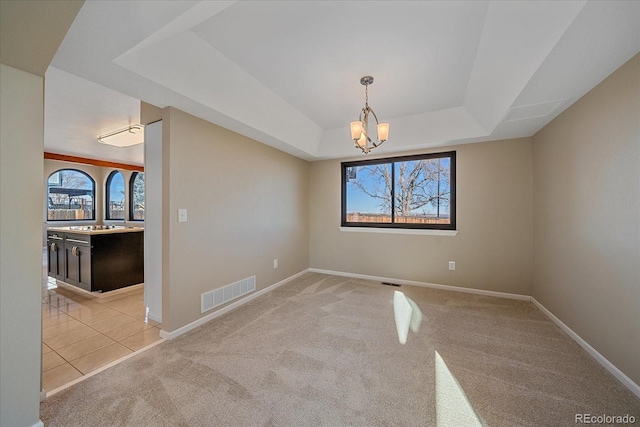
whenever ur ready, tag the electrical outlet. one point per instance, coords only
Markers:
(275, 263)
(452, 265)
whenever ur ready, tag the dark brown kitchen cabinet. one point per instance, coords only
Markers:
(55, 255)
(117, 260)
(77, 252)
(99, 262)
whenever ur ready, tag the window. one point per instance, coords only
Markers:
(402, 192)
(70, 195)
(115, 196)
(136, 192)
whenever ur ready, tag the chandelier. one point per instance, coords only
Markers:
(360, 129)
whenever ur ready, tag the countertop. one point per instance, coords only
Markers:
(92, 230)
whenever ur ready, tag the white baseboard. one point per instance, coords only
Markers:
(425, 284)
(201, 321)
(38, 424)
(43, 395)
(100, 294)
(628, 382)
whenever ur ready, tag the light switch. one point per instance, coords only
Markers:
(182, 215)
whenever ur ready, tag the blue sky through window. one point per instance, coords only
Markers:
(116, 189)
(70, 179)
(357, 199)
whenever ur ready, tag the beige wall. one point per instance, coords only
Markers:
(21, 148)
(247, 205)
(587, 217)
(492, 250)
(31, 33)
(149, 113)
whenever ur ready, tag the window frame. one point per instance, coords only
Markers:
(132, 180)
(93, 195)
(107, 192)
(392, 161)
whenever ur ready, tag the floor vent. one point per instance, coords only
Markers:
(390, 284)
(212, 299)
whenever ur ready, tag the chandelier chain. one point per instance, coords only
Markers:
(366, 95)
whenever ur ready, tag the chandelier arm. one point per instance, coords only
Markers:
(365, 123)
(363, 112)
(374, 115)
(367, 110)
(378, 144)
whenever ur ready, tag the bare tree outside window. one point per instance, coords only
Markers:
(137, 196)
(413, 190)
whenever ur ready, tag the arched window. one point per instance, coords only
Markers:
(115, 196)
(70, 196)
(136, 196)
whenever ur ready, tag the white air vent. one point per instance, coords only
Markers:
(212, 299)
(534, 111)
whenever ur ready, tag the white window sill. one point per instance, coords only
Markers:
(422, 232)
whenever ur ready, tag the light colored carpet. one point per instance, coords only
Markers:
(323, 350)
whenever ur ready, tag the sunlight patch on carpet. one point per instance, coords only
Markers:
(407, 315)
(453, 408)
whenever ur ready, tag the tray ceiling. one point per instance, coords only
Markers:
(287, 73)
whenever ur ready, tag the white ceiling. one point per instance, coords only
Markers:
(287, 73)
(77, 111)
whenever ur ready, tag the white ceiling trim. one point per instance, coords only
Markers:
(516, 39)
(187, 20)
(277, 72)
(204, 75)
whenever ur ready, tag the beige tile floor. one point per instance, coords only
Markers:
(82, 333)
